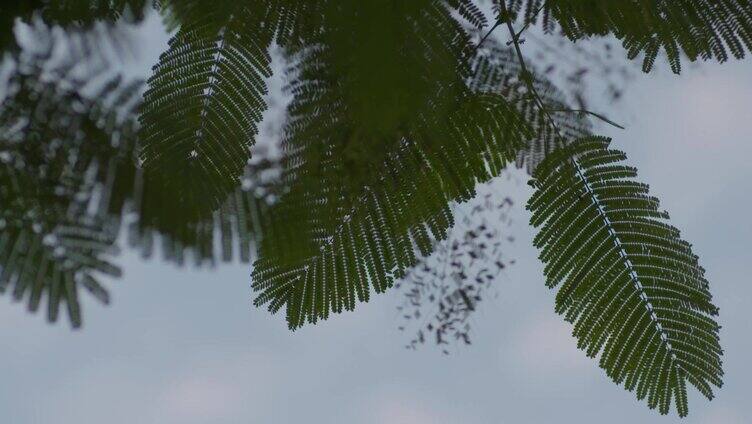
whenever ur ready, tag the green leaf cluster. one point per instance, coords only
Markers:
(694, 29)
(71, 184)
(398, 110)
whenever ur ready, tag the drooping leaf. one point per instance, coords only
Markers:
(630, 285)
(370, 186)
(203, 106)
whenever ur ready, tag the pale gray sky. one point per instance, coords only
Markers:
(186, 346)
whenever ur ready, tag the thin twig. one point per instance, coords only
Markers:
(480, 43)
(527, 77)
(500, 21)
(588, 112)
(529, 21)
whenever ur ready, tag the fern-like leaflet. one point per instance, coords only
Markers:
(630, 285)
(203, 105)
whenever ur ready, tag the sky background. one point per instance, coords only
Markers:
(186, 346)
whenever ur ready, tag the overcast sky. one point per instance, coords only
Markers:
(186, 346)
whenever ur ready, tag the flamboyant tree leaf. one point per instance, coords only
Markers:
(630, 285)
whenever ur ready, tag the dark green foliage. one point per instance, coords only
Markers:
(698, 29)
(201, 111)
(397, 114)
(237, 223)
(70, 178)
(332, 242)
(59, 154)
(363, 199)
(632, 288)
(205, 99)
(85, 13)
(74, 15)
(50, 248)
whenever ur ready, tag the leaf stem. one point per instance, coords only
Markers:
(528, 79)
(588, 112)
